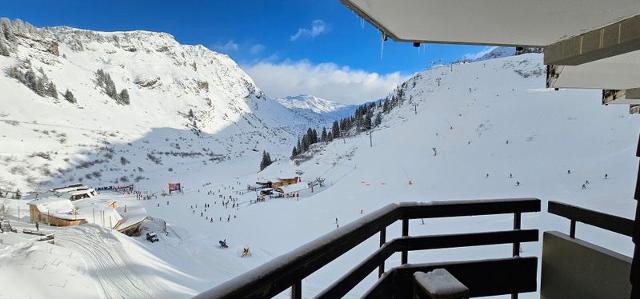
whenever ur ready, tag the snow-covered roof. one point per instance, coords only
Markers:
(129, 221)
(293, 188)
(86, 209)
(53, 205)
(496, 22)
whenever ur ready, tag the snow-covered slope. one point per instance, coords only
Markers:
(188, 105)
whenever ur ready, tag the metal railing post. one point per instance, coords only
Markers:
(296, 290)
(405, 233)
(383, 239)
(572, 228)
(517, 221)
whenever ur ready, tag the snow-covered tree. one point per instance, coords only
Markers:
(52, 91)
(123, 97)
(4, 49)
(30, 79)
(103, 80)
(378, 120)
(7, 29)
(69, 97)
(41, 86)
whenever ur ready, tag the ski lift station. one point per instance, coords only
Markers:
(590, 44)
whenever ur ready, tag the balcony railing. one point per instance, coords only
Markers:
(510, 275)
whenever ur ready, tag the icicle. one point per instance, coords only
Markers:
(382, 45)
(362, 22)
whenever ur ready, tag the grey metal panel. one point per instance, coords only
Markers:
(573, 268)
(623, 37)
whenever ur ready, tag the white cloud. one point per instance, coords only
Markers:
(325, 80)
(257, 49)
(317, 27)
(229, 46)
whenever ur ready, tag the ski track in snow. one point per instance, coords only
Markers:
(109, 263)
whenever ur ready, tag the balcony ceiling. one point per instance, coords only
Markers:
(491, 22)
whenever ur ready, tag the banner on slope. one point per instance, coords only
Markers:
(174, 187)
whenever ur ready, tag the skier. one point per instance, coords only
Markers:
(37, 226)
(487, 176)
(606, 176)
(510, 175)
(245, 251)
(568, 171)
(223, 243)
(586, 182)
(584, 187)
(517, 183)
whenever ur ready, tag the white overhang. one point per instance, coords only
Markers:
(491, 22)
(616, 72)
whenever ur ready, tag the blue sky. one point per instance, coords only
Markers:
(313, 46)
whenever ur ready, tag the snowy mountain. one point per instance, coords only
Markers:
(309, 102)
(138, 105)
(317, 110)
(497, 52)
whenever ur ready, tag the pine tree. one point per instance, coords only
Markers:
(323, 138)
(4, 50)
(367, 120)
(123, 98)
(294, 152)
(378, 120)
(314, 137)
(30, 79)
(41, 87)
(335, 129)
(68, 95)
(266, 160)
(52, 91)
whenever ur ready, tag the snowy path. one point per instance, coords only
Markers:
(117, 274)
